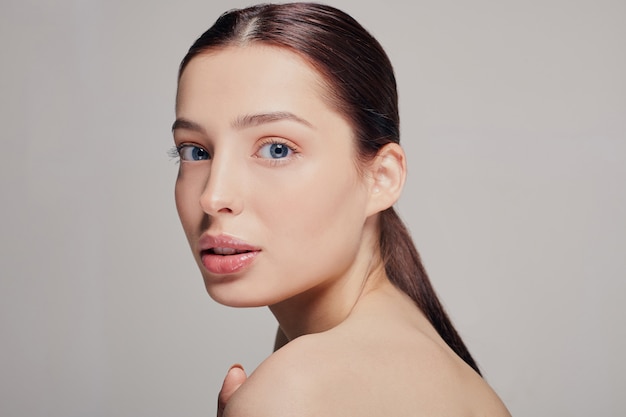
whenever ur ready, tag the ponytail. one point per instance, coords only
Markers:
(405, 270)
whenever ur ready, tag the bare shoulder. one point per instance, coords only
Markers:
(347, 373)
(384, 359)
(295, 380)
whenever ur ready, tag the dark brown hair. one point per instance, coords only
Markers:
(362, 86)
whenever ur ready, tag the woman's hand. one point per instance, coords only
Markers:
(233, 380)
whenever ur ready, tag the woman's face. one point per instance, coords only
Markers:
(268, 192)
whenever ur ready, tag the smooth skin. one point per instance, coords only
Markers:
(357, 345)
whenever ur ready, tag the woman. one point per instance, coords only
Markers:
(287, 131)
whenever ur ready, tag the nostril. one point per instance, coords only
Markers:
(215, 204)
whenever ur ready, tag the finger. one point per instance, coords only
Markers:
(233, 380)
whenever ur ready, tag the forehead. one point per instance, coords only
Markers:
(250, 75)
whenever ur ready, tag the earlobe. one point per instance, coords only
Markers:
(388, 174)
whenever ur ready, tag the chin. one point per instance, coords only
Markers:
(236, 298)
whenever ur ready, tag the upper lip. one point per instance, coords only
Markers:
(210, 242)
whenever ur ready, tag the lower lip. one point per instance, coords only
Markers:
(227, 264)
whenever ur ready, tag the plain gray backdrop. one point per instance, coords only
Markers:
(514, 120)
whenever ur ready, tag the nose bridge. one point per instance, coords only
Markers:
(222, 191)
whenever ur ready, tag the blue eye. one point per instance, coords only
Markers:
(275, 151)
(192, 153)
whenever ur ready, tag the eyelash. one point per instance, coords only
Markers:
(176, 152)
(173, 153)
(275, 141)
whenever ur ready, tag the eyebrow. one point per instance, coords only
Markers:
(242, 122)
(187, 125)
(251, 120)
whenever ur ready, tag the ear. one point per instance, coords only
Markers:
(387, 174)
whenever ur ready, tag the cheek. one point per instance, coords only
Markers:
(306, 196)
(318, 214)
(187, 198)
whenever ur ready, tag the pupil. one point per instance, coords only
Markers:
(278, 150)
(199, 153)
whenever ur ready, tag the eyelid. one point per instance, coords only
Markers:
(277, 140)
(270, 140)
(185, 145)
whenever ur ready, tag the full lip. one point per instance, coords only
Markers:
(208, 243)
(225, 255)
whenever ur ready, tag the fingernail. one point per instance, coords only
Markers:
(237, 365)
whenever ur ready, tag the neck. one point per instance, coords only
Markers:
(324, 307)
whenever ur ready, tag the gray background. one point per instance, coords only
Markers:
(514, 120)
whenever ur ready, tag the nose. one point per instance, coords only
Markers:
(222, 192)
